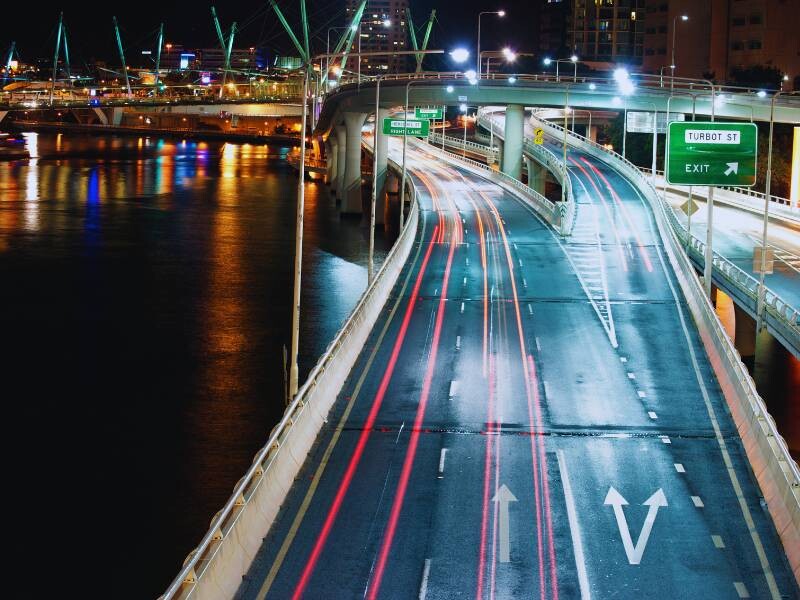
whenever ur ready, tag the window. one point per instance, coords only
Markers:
(754, 44)
(737, 46)
(737, 21)
(755, 19)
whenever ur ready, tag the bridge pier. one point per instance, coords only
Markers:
(341, 159)
(513, 134)
(501, 150)
(3, 114)
(331, 154)
(537, 175)
(591, 133)
(351, 200)
(744, 339)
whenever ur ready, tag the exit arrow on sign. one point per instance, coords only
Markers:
(732, 168)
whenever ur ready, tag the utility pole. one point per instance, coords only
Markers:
(158, 58)
(55, 57)
(122, 55)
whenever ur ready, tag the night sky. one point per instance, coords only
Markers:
(90, 33)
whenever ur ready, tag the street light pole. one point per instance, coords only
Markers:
(500, 13)
(298, 245)
(373, 199)
(566, 171)
(405, 144)
(674, 29)
(709, 257)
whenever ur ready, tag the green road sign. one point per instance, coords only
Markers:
(415, 127)
(712, 153)
(429, 113)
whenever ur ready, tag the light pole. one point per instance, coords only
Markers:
(572, 59)
(566, 170)
(499, 13)
(674, 29)
(374, 197)
(709, 257)
(762, 274)
(464, 108)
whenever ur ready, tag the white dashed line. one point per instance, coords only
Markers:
(538, 346)
(665, 439)
(741, 589)
(462, 308)
(679, 468)
(423, 587)
(453, 388)
(631, 375)
(441, 460)
(458, 342)
(530, 309)
(546, 389)
(524, 282)
(641, 394)
(623, 359)
(520, 262)
(465, 281)
(718, 543)
(652, 415)
(467, 261)
(697, 501)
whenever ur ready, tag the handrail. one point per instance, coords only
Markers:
(777, 473)
(474, 147)
(201, 557)
(553, 163)
(782, 310)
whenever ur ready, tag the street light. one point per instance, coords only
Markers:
(674, 29)
(459, 55)
(499, 13)
(572, 59)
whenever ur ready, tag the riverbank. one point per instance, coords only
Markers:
(182, 134)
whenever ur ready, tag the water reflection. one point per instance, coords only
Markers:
(151, 279)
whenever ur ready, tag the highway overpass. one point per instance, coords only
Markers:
(529, 401)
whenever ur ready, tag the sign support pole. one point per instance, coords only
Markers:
(709, 259)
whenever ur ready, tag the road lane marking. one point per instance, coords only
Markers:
(574, 527)
(652, 415)
(665, 439)
(524, 282)
(462, 308)
(458, 342)
(453, 388)
(718, 543)
(635, 552)
(631, 375)
(698, 502)
(530, 309)
(442, 455)
(502, 499)
(538, 345)
(292, 533)
(520, 263)
(623, 359)
(546, 389)
(423, 586)
(741, 589)
(468, 261)
(679, 468)
(465, 281)
(712, 415)
(641, 394)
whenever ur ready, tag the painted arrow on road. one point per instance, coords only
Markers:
(504, 496)
(654, 502)
(732, 168)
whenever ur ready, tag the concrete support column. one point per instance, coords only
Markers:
(514, 132)
(351, 200)
(383, 168)
(3, 114)
(116, 115)
(101, 115)
(500, 151)
(332, 155)
(745, 337)
(537, 175)
(591, 133)
(341, 159)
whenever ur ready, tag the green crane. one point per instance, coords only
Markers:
(122, 55)
(55, 56)
(158, 59)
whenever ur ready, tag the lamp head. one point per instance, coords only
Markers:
(501, 13)
(574, 58)
(547, 61)
(459, 55)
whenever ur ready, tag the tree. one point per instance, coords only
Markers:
(757, 76)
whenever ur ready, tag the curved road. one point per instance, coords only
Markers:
(530, 418)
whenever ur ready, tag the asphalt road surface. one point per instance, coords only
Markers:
(531, 418)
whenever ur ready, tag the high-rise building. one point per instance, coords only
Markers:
(553, 18)
(605, 32)
(383, 29)
(720, 35)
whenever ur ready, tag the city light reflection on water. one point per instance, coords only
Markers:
(147, 294)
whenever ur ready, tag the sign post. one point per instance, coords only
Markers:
(412, 127)
(712, 154)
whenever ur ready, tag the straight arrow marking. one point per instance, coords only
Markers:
(654, 502)
(504, 496)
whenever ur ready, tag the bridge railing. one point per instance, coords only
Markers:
(550, 212)
(214, 569)
(777, 473)
(473, 147)
(551, 162)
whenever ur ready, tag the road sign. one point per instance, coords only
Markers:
(538, 136)
(689, 207)
(712, 154)
(429, 113)
(770, 262)
(640, 121)
(413, 127)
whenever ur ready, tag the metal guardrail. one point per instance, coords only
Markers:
(550, 161)
(308, 410)
(555, 214)
(473, 147)
(777, 473)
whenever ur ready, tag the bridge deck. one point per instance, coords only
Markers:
(494, 364)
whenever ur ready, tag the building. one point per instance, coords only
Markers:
(720, 35)
(383, 29)
(607, 32)
(554, 16)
